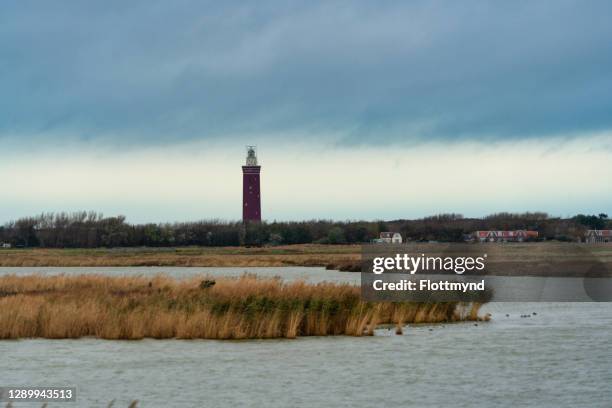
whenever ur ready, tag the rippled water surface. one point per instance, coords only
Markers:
(560, 357)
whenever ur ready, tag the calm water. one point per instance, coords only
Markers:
(559, 358)
(314, 275)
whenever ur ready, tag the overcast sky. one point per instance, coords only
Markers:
(359, 109)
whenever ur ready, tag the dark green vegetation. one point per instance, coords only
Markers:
(93, 230)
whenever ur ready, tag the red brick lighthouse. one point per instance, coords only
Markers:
(251, 194)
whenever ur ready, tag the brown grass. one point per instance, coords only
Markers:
(290, 255)
(233, 308)
(513, 259)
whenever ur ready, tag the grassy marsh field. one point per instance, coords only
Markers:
(507, 258)
(290, 255)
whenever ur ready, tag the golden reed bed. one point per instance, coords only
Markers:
(161, 307)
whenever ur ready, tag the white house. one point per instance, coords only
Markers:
(390, 237)
(5, 245)
(598, 236)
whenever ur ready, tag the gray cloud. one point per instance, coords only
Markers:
(156, 72)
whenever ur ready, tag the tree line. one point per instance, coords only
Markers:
(91, 230)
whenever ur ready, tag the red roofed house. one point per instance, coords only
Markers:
(506, 236)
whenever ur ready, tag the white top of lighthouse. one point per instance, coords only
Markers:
(251, 159)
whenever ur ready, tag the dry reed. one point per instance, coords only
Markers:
(228, 308)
